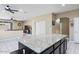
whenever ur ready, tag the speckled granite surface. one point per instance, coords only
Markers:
(40, 42)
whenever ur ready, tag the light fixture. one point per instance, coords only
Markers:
(7, 7)
(58, 20)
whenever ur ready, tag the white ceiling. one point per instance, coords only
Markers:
(27, 11)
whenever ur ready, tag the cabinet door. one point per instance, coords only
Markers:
(62, 48)
(24, 49)
(57, 48)
(48, 51)
(57, 51)
(65, 45)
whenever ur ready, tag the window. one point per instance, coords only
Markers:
(5, 26)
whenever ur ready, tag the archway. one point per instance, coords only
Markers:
(64, 26)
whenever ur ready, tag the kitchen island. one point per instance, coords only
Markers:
(42, 44)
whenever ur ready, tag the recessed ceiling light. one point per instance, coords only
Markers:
(58, 20)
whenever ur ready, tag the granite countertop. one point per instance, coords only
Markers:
(41, 42)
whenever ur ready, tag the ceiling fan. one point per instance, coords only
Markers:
(12, 19)
(8, 8)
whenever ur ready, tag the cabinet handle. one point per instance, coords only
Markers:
(23, 51)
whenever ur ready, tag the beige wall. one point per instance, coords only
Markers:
(65, 25)
(28, 22)
(56, 27)
(70, 15)
(47, 18)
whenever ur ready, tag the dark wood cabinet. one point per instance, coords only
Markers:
(65, 46)
(62, 48)
(48, 50)
(25, 49)
(57, 50)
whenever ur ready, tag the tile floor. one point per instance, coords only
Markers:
(73, 48)
(7, 46)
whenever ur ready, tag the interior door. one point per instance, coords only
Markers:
(76, 29)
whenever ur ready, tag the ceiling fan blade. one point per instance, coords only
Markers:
(15, 10)
(7, 8)
(11, 11)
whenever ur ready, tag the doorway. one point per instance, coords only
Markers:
(64, 26)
